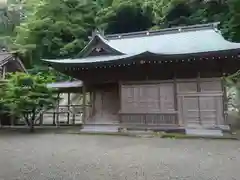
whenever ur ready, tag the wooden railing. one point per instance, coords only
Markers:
(64, 114)
(149, 118)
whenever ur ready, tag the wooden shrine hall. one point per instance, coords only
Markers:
(169, 78)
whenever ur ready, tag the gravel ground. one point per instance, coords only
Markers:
(82, 157)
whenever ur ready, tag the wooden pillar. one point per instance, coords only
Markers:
(198, 91)
(224, 101)
(1, 72)
(120, 101)
(102, 101)
(57, 109)
(91, 103)
(84, 104)
(176, 99)
(68, 116)
(4, 72)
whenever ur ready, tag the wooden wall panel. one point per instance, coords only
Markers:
(186, 87)
(147, 98)
(196, 106)
(214, 85)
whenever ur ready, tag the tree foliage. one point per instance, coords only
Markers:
(55, 29)
(232, 24)
(125, 16)
(25, 96)
(232, 82)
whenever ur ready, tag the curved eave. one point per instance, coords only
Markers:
(121, 59)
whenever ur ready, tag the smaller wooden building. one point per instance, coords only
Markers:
(69, 108)
(170, 78)
(9, 62)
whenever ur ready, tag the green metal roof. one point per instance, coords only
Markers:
(172, 41)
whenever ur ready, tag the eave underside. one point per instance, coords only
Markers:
(154, 68)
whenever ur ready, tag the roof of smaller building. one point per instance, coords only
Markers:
(66, 84)
(185, 40)
(6, 57)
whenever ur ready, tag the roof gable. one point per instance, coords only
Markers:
(98, 46)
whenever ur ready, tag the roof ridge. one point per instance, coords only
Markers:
(164, 31)
(1, 53)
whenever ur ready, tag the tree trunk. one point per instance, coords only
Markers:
(32, 121)
(30, 125)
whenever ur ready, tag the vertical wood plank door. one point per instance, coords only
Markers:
(200, 106)
(188, 114)
(208, 111)
(211, 105)
(167, 97)
(190, 107)
(200, 111)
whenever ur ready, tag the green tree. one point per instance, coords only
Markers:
(45, 71)
(232, 25)
(181, 12)
(55, 29)
(24, 96)
(125, 16)
(232, 83)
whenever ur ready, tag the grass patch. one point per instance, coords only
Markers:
(99, 133)
(185, 136)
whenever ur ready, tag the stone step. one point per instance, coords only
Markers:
(204, 132)
(101, 128)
